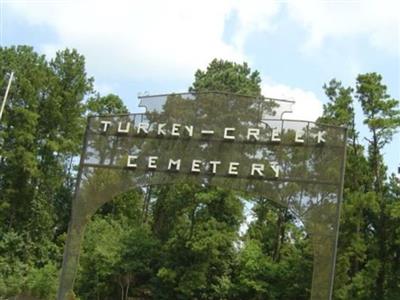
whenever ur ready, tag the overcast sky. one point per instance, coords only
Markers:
(155, 47)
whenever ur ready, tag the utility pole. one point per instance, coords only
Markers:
(6, 94)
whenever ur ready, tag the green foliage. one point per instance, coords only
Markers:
(281, 252)
(199, 244)
(368, 232)
(20, 277)
(254, 267)
(199, 227)
(226, 76)
(381, 111)
(339, 110)
(40, 133)
(182, 241)
(40, 136)
(119, 253)
(100, 256)
(382, 116)
(42, 283)
(110, 104)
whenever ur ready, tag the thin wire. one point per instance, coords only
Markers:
(3, 104)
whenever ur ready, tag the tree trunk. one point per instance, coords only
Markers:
(381, 230)
(146, 204)
(127, 288)
(280, 233)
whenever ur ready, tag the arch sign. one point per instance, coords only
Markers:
(215, 139)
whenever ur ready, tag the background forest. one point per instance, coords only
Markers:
(181, 242)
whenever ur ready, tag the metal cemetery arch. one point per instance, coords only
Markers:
(215, 139)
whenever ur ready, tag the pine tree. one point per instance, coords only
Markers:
(382, 116)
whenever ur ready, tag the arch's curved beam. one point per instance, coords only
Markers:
(215, 140)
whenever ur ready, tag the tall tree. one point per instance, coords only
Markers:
(226, 76)
(357, 204)
(382, 116)
(40, 134)
(393, 196)
(199, 227)
(61, 129)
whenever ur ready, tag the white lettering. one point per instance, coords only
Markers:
(275, 168)
(233, 168)
(160, 129)
(123, 130)
(105, 124)
(189, 130)
(259, 168)
(152, 164)
(275, 135)
(207, 132)
(229, 137)
(214, 164)
(143, 127)
(175, 129)
(130, 163)
(253, 132)
(196, 166)
(176, 163)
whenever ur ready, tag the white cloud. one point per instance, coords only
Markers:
(377, 21)
(253, 16)
(160, 40)
(147, 39)
(307, 106)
